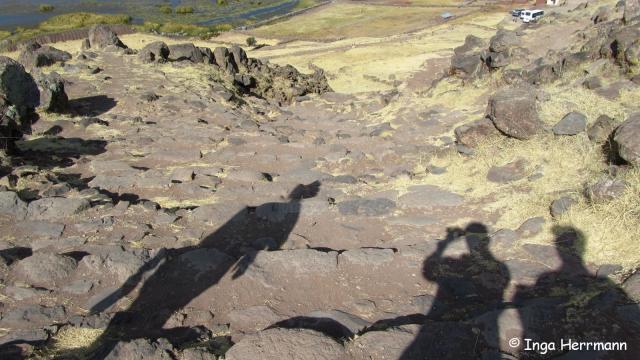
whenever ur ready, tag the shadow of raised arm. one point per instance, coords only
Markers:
(130, 283)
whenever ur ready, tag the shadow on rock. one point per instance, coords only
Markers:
(61, 147)
(573, 305)
(92, 105)
(176, 276)
(471, 282)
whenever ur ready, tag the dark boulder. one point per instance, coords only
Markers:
(601, 129)
(471, 43)
(207, 55)
(496, 60)
(513, 111)
(19, 96)
(101, 36)
(221, 55)
(627, 140)
(17, 86)
(45, 269)
(503, 41)
(573, 60)
(545, 73)
(225, 60)
(239, 55)
(605, 189)
(466, 64)
(11, 204)
(624, 47)
(156, 51)
(244, 80)
(592, 82)
(561, 205)
(35, 55)
(140, 349)
(53, 97)
(185, 52)
(571, 124)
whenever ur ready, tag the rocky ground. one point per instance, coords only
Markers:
(181, 202)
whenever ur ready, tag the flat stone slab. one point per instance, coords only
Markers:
(366, 257)
(429, 196)
(366, 207)
(300, 344)
(55, 208)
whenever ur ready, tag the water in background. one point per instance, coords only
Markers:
(26, 13)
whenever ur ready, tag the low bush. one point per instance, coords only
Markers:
(203, 32)
(166, 9)
(184, 10)
(46, 8)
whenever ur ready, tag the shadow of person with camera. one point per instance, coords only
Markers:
(175, 277)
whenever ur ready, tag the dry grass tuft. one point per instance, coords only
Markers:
(74, 341)
(169, 203)
(612, 229)
(560, 102)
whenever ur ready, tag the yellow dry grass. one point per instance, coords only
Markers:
(353, 63)
(568, 165)
(349, 20)
(611, 229)
(560, 102)
(74, 341)
(169, 203)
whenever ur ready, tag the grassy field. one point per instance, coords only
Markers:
(349, 20)
(354, 64)
(65, 22)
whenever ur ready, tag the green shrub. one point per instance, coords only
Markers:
(251, 41)
(203, 32)
(184, 10)
(222, 2)
(46, 8)
(166, 9)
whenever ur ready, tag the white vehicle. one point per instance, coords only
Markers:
(528, 16)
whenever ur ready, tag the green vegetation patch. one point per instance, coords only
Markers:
(64, 22)
(46, 8)
(166, 9)
(184, 29)
(81, 19)
(184, 10)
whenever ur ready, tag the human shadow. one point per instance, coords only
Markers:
(469, 285)
(175, 277)
(92, 105)
(573, 305)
